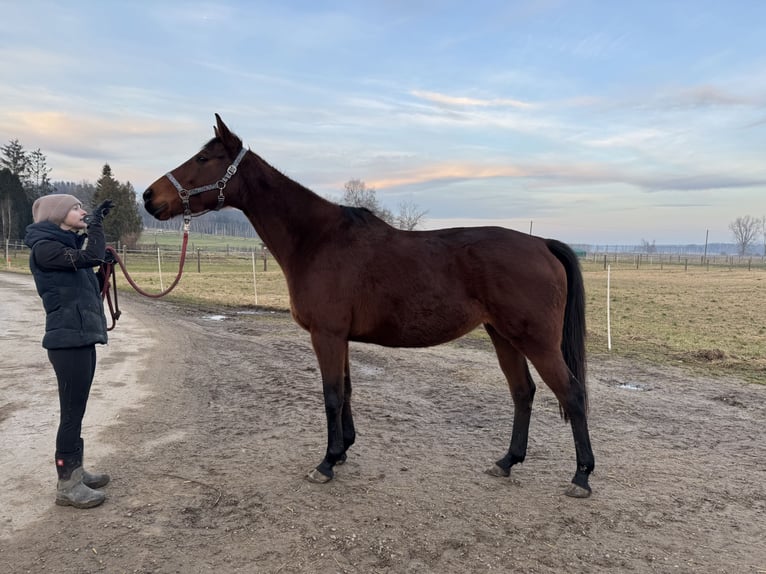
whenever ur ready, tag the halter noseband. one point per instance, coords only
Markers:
(185, 194)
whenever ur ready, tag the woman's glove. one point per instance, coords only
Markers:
(104, 209)
(100, 212)
(109, 257)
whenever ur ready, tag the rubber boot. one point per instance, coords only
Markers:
(70, 490)
(92, 480)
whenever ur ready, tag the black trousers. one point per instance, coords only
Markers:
(74, 369)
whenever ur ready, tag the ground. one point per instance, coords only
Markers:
(208, 421)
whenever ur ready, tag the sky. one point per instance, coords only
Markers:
(594, 122)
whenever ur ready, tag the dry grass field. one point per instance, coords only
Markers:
(712, 320)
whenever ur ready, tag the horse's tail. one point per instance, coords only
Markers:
(573, 337)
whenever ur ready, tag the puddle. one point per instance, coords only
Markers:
(214, 317)
(630, 387)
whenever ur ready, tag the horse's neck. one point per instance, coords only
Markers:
(284, 213)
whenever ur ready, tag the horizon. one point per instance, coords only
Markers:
(599, 123)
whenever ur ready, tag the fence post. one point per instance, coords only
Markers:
(199, 266)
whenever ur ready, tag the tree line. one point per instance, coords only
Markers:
(24, 177)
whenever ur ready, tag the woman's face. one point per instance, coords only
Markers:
(73, 219)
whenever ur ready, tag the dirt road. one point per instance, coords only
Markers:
(208, 421)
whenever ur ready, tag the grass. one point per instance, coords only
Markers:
(707, 320)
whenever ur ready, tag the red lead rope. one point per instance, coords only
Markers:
(108, 271)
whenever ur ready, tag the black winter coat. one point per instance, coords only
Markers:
(65, 281)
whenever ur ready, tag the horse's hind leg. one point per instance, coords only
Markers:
(571, 396)
(347, 419)
(522, 387)
(332, 354)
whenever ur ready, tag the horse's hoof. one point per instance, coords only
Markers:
(498, 471)
(576, 491)
(342, 459)
(317, 477)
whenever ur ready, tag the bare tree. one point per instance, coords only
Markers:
(647, 247)
(357, 194)
(410, 216)
(763, 230)
(15, 210)
(745, 230)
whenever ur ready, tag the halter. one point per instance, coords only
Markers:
(185, 194)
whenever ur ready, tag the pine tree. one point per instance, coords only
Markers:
(39, 183)
(15, 159)
(124, 222)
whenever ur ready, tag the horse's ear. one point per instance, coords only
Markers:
(221, 130)
(228, 138)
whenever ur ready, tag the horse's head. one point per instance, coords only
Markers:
(197, 185)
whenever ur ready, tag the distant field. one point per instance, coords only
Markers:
(172, 240)
(672, 312)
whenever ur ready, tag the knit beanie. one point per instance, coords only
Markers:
(53, 208)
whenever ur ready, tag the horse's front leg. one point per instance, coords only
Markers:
(331, 352)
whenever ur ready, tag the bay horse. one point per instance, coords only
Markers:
(353, 277)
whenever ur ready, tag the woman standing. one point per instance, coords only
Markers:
(74, 323)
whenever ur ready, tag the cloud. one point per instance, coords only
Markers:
(461, 101)
(628, 139)
(441, 172)
(711, 96)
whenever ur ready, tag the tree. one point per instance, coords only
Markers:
(410, 216)
(31, 171)
(357, 194)
(15, 207)
(38, 170)
(15, 160)
(763, 231)
(745, 230)
(647, 247)
(124, 221)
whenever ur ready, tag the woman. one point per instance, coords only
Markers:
(74, 323)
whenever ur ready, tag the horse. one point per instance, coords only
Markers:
(353, 277)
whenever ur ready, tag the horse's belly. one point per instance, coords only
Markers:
(399, 330)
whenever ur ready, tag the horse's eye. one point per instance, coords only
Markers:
(201, 159)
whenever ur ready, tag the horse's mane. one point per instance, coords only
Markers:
(359, 215)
